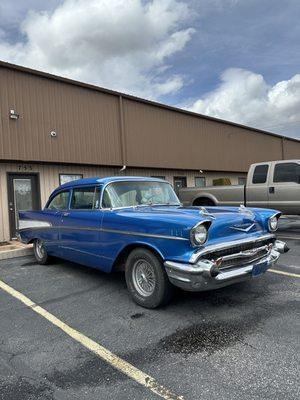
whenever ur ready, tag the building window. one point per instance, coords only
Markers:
(242, 180)
(200, 181)
(260, 174)
(64, 178)
(158, 177)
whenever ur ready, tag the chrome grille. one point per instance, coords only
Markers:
(244, 254)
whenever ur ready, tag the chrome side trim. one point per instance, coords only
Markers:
(33, 223)
(132, 233)
(143, 234)
(208, 249)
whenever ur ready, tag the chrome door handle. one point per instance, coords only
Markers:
(65, 214)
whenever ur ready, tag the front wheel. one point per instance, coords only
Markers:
(146, 279)
(40, 252)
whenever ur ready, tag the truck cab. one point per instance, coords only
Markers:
(274, 184)
(270, 184)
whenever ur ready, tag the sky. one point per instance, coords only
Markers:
(237, 60)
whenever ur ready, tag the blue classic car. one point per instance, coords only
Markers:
(138, 224)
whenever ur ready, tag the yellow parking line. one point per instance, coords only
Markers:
(276, 271)
(103, 353)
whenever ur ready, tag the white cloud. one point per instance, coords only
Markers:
(245, 97)
(120, 44)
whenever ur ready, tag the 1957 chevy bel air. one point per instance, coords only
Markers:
(138, 224)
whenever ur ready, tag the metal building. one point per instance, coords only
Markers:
(54, 129)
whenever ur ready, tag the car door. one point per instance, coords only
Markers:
(80, 227)
(52, 213)
(257, 194)
(284, 189)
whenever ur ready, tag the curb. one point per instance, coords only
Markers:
(16, 253)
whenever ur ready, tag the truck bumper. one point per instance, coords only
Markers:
(206, 274)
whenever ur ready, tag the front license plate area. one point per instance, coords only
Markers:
(259, 269)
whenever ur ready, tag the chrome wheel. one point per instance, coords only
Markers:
(143, 278)
(39, 248)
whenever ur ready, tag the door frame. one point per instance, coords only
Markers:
(179, 177)
(11, 195)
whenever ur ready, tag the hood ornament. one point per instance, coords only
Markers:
(203, 211)
(244, 210)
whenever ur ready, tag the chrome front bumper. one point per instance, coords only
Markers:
(206, 275)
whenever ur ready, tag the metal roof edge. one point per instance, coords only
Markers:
(47, 75)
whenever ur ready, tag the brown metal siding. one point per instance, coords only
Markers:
(87, 122)
(99, 127)
(163, 138)
(291, 149)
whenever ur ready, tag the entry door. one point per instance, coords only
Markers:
(179, 182)
(23, 195)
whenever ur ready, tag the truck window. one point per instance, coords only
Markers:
(260, 174)
(287, 172)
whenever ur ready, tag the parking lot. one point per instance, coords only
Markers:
(240, 342)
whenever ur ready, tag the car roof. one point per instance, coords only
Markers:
(103, 181)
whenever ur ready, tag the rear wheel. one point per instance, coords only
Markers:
(40, 252)
(146, 279)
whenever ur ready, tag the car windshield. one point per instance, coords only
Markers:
(129, 194)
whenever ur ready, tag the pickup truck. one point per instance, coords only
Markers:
(273, 184)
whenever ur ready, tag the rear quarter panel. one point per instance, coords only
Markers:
(40, 225)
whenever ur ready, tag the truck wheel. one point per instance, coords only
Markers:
(40, 252)
(203, 202)
(146, 279)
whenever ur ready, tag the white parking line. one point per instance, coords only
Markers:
(103, 353)
(276, 271)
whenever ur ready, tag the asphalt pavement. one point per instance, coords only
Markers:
(240, 342)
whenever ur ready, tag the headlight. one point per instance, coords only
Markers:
(199, 235)
(273, 223)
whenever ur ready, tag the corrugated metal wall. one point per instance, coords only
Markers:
(87, 122)
(168, 138)
(94, 128)
(291, 149)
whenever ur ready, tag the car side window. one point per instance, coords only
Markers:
(60, 201)
(85, 198)
(287, 172)
(260, 174)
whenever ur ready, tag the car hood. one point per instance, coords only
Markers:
(226, 222)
